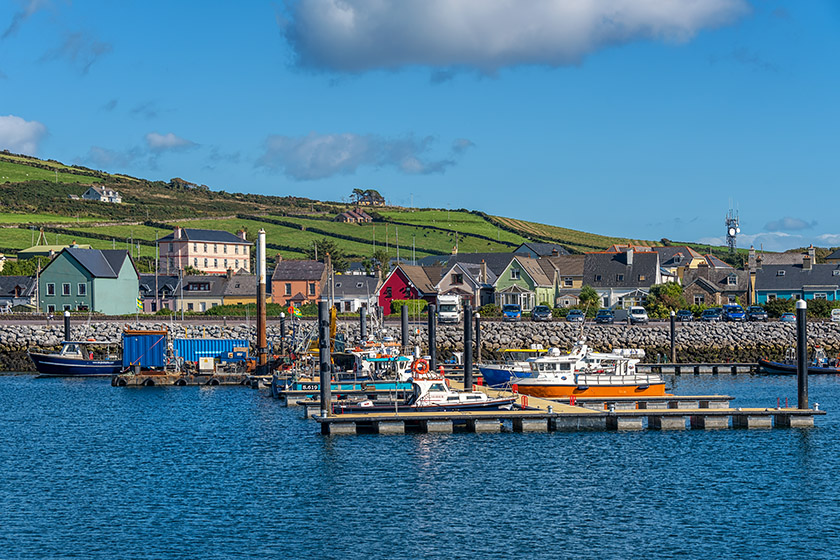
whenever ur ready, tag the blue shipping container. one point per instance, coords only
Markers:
(191, 349)
(147, 348)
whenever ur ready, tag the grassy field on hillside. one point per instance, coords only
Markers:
(40, 219)
(15, 173)
(578, 240)
(16, 238)
(463, 222)
(127, 231)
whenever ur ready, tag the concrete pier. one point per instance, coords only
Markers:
(666, 422)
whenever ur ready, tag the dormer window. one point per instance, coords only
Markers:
(358, 284)
(732, 280)
(780, 273)
(678, 259)
(514, 274)
(835, 272)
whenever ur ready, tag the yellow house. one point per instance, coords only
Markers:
(241, 289)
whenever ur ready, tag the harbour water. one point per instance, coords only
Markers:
(91, 471)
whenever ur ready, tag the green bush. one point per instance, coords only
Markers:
(776, 307)
(415, 306)
(490, 310)
(559, 312)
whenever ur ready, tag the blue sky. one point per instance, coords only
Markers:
(636, 118)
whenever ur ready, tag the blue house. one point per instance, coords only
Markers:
(797, 281)
(89, 280)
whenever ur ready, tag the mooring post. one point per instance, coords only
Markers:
(468, 357)
(404, 321)
(262, 340)
(66, 325)
(363, 323)
(802, 353)
(282, 333)
(673, 336)
(432, 337)
(324, 354)
(477, 337)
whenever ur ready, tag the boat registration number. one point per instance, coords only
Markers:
(309, 387)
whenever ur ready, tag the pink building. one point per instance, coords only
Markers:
(207, 250)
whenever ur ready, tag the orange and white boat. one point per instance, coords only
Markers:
(583, 373)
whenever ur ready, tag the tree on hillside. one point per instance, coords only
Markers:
(357, 195)
(325, 246)
(26, 267)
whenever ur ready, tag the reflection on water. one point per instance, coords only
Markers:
(91, 471)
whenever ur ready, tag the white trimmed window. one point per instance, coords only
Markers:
(82, 289)
(65, 289)
(51, 290)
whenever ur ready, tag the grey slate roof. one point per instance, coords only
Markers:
(418, 276)
(166, 284)
(780, 258)
(669, 256)
(205, 236)
(544, 249)
(834, 255)
(9, 283)
(242, 285)
(497, 262)
(217, 285)
(608, 265)
(99, 263)
(298, 270)
(795, 277)
(355, 286)
(567, 265)
(717, 279)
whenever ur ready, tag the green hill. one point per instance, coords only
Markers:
(37, 194)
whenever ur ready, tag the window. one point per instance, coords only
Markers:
(732, 299)
(195, 263)
(288, 290)
(189, 307)
(236, 249)
(215, 263)
(205, 263)
(215, 248)
(224, 248)
(83, 307)
(312, 288)
(388, 292)
(820, 296)
(195, 247)
(732, 280)
(619, 278)
(51, 308)
(66, 307)
(82, 289)
(835, 272)
(677, 259)
(514, 274)
(568, 282)
(642, 277)
(226, 264)
(597, 277)
(205, 247)
(65, 289)
(50, 289)
(780, 273)
(202, 306)
(699, 299)
(171, 248)
(457, 278)
(771, 297)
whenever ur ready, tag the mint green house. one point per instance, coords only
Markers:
(524, 282)
(89, 280)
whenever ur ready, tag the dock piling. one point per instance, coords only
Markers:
(477, 337)
(262, 341)
(66, 325)
(468, 358)
(404, 323)
(802, 353)
(282, 333)
(324, 355)
(432, 337)
(363, 323)
(673, 336)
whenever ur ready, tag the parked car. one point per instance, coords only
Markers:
(541, 313)
(684, 315)
(835, 315)
(756, 313)
(638, 315)
(511, 312)
(712, 315)
(576, 316)
(734, 312)
(787, 318)
(605, 316)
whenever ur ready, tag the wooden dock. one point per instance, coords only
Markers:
(677, 368)
(178, 379)
(541, 415)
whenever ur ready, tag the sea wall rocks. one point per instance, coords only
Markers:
(695, 342)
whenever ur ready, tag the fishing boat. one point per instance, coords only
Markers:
(818, 364)
(432, 393)
(76, 359)
(514, 364)
(583, 373)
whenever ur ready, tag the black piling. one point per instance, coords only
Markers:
(468, 355)
(432, 337)
(673, 337)
(363, 323)
(324, 354)
(66, 325)
(404, 321)
(478, 338)
(282, 333)
(802, 353)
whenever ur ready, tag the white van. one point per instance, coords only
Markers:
(638, 314)
(835, 315)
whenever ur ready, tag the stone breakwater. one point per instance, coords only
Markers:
(695, 342)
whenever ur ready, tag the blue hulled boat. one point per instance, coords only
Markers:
(75, 360)
(818, 364)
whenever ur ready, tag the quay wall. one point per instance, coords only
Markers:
(695, 342)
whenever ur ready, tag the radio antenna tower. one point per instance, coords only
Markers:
(732, 230)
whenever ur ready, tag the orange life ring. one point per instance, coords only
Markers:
(420, 366)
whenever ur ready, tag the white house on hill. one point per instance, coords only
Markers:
(102, 194)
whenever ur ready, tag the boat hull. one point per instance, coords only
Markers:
(545, 391)
(779, 368)
(499, 376)
(54, 365)
(495, 404)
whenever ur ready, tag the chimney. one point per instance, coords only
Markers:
(751, 260)
(758, 260)
(278, 258)
(555, 252)
(242, 235)
(813, 254)
(483, 278)
(629, 256)
(229, 273)
(807, 262)
(177, 233)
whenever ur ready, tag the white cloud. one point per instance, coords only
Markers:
(317, 156)
(19, 135)
(789, 224)
(360, 35)
(160, 142)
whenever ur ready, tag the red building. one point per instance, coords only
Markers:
(407, 282)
